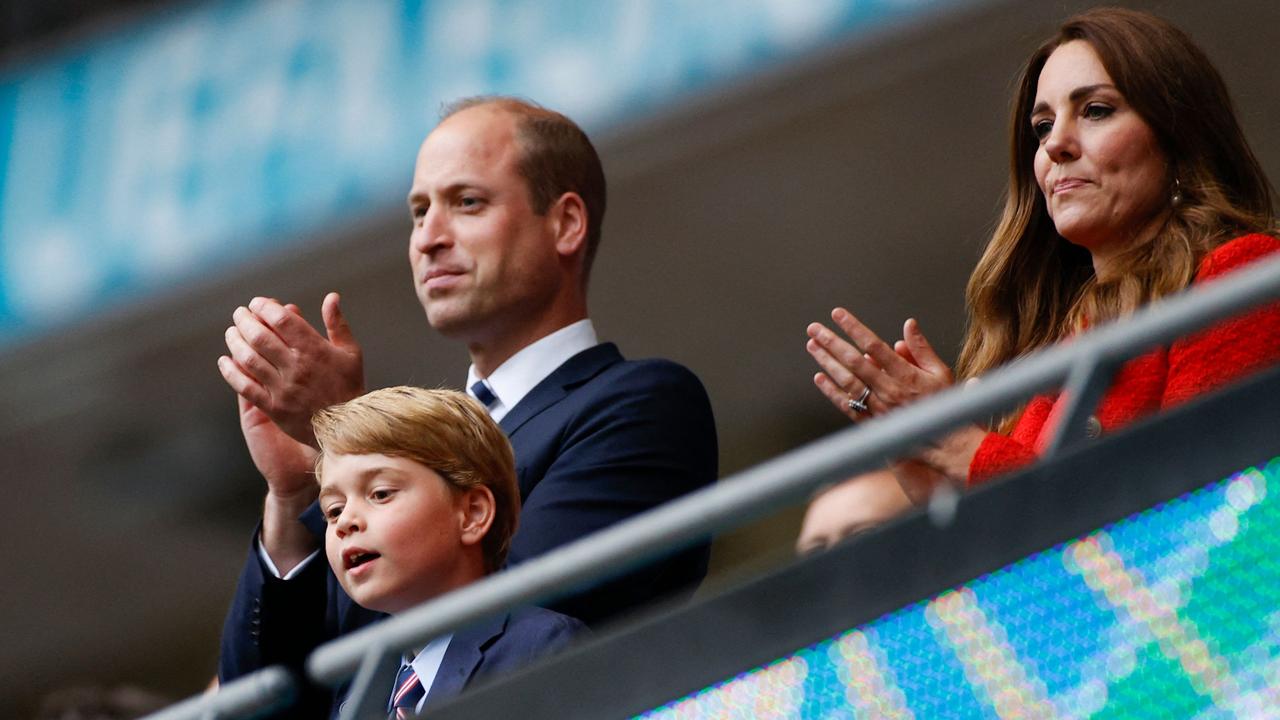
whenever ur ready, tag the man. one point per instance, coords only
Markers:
(507, 203)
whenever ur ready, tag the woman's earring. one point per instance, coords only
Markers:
(1177, 193)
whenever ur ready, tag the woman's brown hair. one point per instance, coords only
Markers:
(1032, 287)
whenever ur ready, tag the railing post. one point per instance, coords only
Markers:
(1088, 381)
(372, 685)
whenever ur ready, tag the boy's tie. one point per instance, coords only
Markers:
(404, 701)
(482, 392)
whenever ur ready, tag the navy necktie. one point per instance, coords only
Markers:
(408, 691)
(484, 394)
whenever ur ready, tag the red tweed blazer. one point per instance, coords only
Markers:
(1165, 377)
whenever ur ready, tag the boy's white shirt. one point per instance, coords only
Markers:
(427, 665)
(271, 567)
(510, 382)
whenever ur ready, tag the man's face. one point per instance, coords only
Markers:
(395, 533)
(483, 261)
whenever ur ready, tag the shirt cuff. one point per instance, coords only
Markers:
(271, 567)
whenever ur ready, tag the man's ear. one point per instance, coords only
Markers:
(569, 222)
(476, 508)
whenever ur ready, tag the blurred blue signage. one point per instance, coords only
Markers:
(189, 142)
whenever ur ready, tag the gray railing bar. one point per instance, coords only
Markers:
(259, 692)
(792, 476)
(372, 684)
(1087, 382)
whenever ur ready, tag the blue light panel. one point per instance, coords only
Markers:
(1172, 612)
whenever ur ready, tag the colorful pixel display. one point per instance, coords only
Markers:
(1172, 612)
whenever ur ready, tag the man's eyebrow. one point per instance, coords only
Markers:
(417, 196)
(1075, 95)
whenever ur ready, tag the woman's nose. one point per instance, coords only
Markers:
(1061, 145)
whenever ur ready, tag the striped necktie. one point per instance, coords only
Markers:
(404, 701)
(482, 392)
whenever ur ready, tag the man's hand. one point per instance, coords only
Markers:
(285, 463)
(287, 466)
(281, 365)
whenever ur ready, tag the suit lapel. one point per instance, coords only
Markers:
(575, 371)
(463, 656)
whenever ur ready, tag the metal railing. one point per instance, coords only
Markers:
(693, 659)
(1085, 365)
(258, 693)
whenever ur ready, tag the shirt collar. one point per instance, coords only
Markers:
(427, 664)
(522, 372)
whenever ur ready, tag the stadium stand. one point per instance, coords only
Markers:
(119, 438)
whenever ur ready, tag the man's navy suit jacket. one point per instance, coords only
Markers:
(491, 648)
(599, 440)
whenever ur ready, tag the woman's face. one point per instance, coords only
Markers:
(1104, 178)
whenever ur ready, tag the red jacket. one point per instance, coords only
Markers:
(1165, 377)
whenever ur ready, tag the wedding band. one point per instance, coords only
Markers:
(860, 405)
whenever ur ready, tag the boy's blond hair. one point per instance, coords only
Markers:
(443, 430)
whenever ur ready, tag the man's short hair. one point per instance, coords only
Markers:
(556, 157)
(443, 430)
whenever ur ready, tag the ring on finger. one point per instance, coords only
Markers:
(860, 405)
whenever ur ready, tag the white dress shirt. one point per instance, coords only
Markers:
(522, 372)
(427, 665)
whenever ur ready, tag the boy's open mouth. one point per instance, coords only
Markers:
(355, 558)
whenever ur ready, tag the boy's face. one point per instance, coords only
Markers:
(397, 533)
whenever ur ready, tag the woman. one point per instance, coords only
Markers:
(1130, 179)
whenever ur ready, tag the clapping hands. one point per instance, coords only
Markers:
(282, 366)
(863, 376)
(896, 375)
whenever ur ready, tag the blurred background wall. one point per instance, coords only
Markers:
(163, 162)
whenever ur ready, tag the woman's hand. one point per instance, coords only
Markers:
(917, 479)
(952, 454)
(895, 375)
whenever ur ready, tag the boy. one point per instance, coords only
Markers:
(418, 490)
